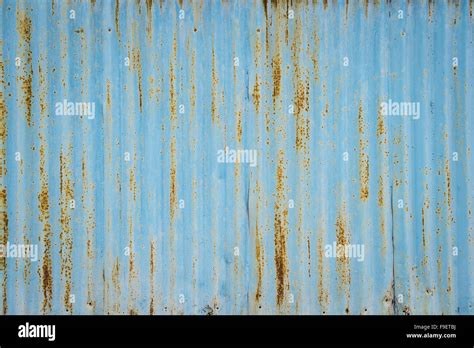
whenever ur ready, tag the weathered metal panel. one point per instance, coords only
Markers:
(133, 211)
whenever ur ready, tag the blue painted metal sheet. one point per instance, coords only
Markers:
(236, 157)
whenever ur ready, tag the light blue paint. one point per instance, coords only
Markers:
(404, 60)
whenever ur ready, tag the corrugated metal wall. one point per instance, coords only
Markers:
(132, 210)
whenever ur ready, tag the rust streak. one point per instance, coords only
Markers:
(152, 278)
(281, 232)
(24, 29)
(342, 261)
(67, 194)
(363, 158)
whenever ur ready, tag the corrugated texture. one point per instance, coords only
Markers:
(131, 209)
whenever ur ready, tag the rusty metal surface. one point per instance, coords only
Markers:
(132, 208)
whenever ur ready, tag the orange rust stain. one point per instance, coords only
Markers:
(173, 183)
(4, 240)
(363, 158)
(276, 74)
(43, 205)
(152, 278)
(108, 98)
(131, 268)
(3, 172)
(173, 116)
(259, 252)
(325, 4)
(315, 56)
(323, 296)
(258, 49)
(67, 194)
(430, 8)
(24, 29)
(215, 82)
(347, 8)
(117, 18)
(116, 275)
(302, 90)
(133, 184)
(238, 115)
(423, 236)
(256, 94)
(149, 23)
(302, 123)
(154, 89)
(308, 242)
(281, 232)
(381, 131)
(3, 109)
(448, 183)
(450, 280)
(137, 64)
(343, 239)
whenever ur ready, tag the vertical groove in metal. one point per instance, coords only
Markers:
(132, 210)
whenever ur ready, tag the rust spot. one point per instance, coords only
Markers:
(238, 115)
(381, 189)
(265, 6)
(149, 23)
(215, 83)
(381, 131)
(173, 116)
(108, 98)
(281, 232)
(322, 294)
(3, 112)
(325, 4)
(259, 252)
(315, 56)
(131, 268)
(43, 205)
(347, 9)
(117, 18)
(137, 64)
(309, 256)
(302, 123)
(363, 158)
(423, 237)
(256, 94)
(448, 191)
(116, 275)
(343, 239)
(450, 280)
(276, 73)
(65, 252)
(152, 278)
(133, 184)
(24, 29)
(173, 183)
(4, 240)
